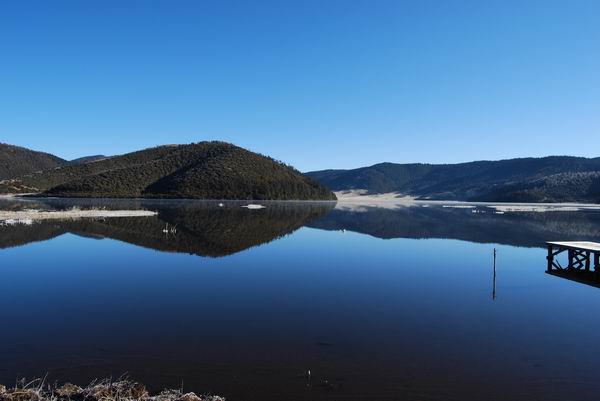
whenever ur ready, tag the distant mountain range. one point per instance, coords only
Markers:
(548, 179)
(218, 170)
(16, 161)
(204, 170)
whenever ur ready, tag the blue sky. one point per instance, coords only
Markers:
(318, 84)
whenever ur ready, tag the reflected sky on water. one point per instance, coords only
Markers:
(379, 304)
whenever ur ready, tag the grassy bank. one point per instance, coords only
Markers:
(104, 390)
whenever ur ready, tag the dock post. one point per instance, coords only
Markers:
(571, 256)
(587, 260)
(550, 258)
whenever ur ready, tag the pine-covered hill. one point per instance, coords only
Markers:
(16, 161)
(547, 179)
(204, 170)
(87, 159)
(563, 187)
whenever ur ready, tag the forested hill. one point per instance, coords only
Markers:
(87, 159)
(204, 170)
(16, 161)
(548, 179)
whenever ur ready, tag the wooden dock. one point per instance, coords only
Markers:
(581, 256)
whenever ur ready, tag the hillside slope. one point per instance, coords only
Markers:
(87, 159)
(16, 161)
(563, 187)
(205, 170)
(548, 179)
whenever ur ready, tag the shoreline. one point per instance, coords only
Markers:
(357, 197)
(30, 196)
(357, 200)
(28, 216)
(397, 198)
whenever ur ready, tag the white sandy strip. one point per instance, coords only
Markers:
(358, 200)
(254, 206)
(8, 196)
(361, 195)
(34, 215)
(544, 208)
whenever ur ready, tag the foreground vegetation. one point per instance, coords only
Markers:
(105, 390)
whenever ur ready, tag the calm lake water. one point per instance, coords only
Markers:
(378, 304)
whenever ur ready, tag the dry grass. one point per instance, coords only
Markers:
(99, 390)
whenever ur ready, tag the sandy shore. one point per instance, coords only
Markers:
(361, 195)
(10, 196)
(358, 200)
(36, 215)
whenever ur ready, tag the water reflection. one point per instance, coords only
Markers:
(579, 276)
(202, 228)
(371, 319)
(494, 277)
(218, 229)
(481, 224)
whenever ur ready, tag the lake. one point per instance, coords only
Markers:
(378, 303)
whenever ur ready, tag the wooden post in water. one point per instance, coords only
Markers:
(494, 281)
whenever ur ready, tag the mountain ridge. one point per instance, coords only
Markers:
(87, 159)
(547, 179)
(203, 170)
(17, 160)
(214, 169)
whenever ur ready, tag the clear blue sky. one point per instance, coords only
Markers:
(318, 84)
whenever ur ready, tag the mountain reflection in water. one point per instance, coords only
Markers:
(219, 229)
(202, 228)
(372, 319)
(478, 224)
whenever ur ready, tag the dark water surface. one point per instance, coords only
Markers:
(378, 304)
